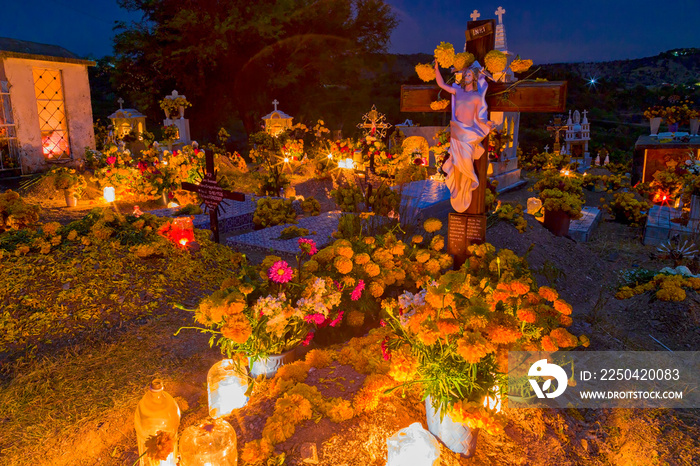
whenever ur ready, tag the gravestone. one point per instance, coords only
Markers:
(182, 124)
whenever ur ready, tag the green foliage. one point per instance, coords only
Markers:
(189, 209)
(311, 206)
(411, 172)
(271, 212)
(384, 200)
(15, 213)
(293, 232)
(348, 198)
(349, 226)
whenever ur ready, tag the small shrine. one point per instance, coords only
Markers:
(277, 121)
(578, 133)
(127, 120)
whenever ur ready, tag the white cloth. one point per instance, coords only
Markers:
(465, 148)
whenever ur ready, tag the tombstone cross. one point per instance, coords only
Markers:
(584, 114)
(212, 194)
(475, 15)
(275, 103)
(500, 12)
(120, 101)
(556, 127)
(374, 123)
(546, 149)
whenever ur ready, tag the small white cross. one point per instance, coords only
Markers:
(546, 148)
(275, 103)
(120, 101)
(475, 15)
(500, 12)
(584, 114)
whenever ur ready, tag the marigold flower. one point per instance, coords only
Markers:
(345, 251)
(342, 264)
(376, 289)
(563, 338)
(422, 256)
(398, 249)
(72, 235)
(527, 315)
(369, 240)
(310, 266)
(432, 267)
(502, 334)
(437, 243)
(403, 365)
(518, 287)
(447, 326)
(565, 320)
(356, 318)
(548, 293)
(237, 328)
(584, 340)
(548, 344)
(439, 104)
(160, 446)
(432, 225)
(520, 66)
(417, 239)
(425, 72)
(562, 306)
(463, 60)
(362, 258)
(372, 269)
(280, 272)
(445, 54)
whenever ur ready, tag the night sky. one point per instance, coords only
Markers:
(547, 32)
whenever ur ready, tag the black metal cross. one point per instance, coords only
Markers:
(212, 194)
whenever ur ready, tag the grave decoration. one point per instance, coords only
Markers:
(446, 321)
(467, 184)
(277, 122)
(157, 419)
(174, 106)
(562, 199)
(211, 194)
(556, 127)
(127, 121)
(577, 137)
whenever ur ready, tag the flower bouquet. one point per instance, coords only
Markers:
(453, 336)
(560, 193)
(269, 309)
(172, 106)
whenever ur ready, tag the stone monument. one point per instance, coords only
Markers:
(576, 138)
(182, 124)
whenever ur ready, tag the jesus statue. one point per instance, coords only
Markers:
(468, 127)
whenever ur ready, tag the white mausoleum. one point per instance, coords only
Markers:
(45, 108)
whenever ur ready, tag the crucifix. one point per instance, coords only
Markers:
(557, 127)
(212, 194)
(375, 123)
(475, 15)
(500, 12)
(469, 227)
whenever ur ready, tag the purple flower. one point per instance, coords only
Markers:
(357, 292)
(280, 272)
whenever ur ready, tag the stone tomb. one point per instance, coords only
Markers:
(234, 216)
(660, 226)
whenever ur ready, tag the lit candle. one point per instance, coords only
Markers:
(108, 193)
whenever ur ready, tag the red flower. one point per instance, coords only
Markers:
(307, 340)
(385, 349)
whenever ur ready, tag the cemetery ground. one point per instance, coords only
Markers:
(68, 392)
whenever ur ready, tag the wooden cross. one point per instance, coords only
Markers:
(475, 15)
(120, 101)
(275, 103)
(500, 12)
(557, 127)
(212, 194)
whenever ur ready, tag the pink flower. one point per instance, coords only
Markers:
(385, 349)
(308, 246)
(280, 272)
(337, 320)
(357, 292)
(315, 319)
(307, 340)
(382, 323)
(111, 160)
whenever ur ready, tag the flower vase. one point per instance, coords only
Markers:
(270, 365)
(654, 124)
(694, 126)
(557, 221)
(181, 111)
(457, 437)
(71, 197)
(672, 128)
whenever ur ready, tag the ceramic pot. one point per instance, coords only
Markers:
(457, 437)
(654, 124)
(71, 199)
(557, 222)
(269, 366)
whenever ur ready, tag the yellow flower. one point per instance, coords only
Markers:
(445, 54)
(432, 266)
(425, 72)
(422, 256)
(342, 264)
(345, 251)
(398, 249)
(376, 289)
(355, 318)
(520, 66)
(437, 243)
(372, 269)
(72, 235)
(495, 61)
(310, 266)
(563, 338)
(439, 104)
(369, 240)
(362, 258)
(51, 228)
(463, 60)
(473, 347)
(417, 239)
(432, 225)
